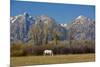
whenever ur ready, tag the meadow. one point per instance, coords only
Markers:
(56, 59)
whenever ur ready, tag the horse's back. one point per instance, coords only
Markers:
(47, 51)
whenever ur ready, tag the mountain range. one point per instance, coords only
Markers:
(23, 27)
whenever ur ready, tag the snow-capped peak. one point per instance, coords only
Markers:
(82, 20)
(63, 25)
(81, 17)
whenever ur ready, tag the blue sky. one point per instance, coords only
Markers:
(62, 13)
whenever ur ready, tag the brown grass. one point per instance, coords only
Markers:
(37, 60)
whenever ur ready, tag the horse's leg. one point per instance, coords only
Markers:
(52, 53)
(44, 54)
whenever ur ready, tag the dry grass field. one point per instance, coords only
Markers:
(37, 60)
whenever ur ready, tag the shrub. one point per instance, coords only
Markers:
(76, 47)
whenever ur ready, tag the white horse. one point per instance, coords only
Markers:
(48, 52)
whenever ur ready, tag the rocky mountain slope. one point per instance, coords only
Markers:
(24, 26)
